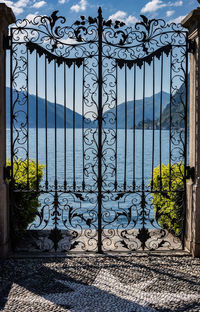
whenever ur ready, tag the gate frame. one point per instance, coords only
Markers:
(192, 230)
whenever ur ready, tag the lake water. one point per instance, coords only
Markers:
(74, 170)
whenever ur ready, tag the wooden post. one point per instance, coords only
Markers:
(192, 233)
(6, 18)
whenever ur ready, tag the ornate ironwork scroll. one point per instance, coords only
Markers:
(104, 204)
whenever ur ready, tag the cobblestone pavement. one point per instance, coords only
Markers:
(100, 284)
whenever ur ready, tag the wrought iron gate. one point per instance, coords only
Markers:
(127, 90)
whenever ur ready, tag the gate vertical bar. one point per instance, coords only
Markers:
(27, 94)
(100, 84)
(65, 132)
(143, 127)
(143, 203)
(55, 124)
(36, 92)
(83, 124)
(185, 145)
(153, 125)
(11, 109)
(46, 126)
(134, 141)
(125, 152)
(74, 128)
(161, 105)
(170, 124)
(116, 124)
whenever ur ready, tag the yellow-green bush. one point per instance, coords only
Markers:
(168, 202)
(24, 198)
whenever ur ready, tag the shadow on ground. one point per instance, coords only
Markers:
(100, 284)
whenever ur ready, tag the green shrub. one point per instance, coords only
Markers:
(168, 202)
(24, 200)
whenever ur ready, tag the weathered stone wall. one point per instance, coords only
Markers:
(6, 18)
(192, 231)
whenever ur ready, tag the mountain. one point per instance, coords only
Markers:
(108, 115)
(177, 109)
(41, 113)
(138, 111)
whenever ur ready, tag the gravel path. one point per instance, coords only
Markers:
(100, 284)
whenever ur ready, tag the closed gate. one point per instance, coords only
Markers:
(98, 134)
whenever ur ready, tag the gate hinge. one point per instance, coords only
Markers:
(191, 48)
(7, 42)
(7, 172)
(190, 173)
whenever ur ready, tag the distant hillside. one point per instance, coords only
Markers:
(138, 111)
(41, 113)
(109, 121)
(177, 109)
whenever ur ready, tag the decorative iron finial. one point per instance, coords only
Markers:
(198, 1)
(100, 10)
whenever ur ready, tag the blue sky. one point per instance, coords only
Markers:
(126, 10)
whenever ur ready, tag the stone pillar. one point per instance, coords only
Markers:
(192, 233)
(6, 18)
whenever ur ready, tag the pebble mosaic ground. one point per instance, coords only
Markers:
(100, 284)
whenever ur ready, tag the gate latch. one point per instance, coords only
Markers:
(7, 172)
(190, 173)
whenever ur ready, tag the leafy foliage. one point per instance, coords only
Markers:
(25, 198)
(167, 192)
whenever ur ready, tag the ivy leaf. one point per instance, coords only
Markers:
(79, 196)
(54, 18)
(88, 222)
(108, 23)
(161, 243)
(77, 23)
(124, 244)
(119, 195)
(92, 20)
(74, 245)
(145, 19)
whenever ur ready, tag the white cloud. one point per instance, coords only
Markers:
(79, 7)
(31, 16)
(122, 16)
(131, 20)
(170, 13)
(153, 6)
(63, 1)
(178, 19)
(119, 15)
(69, 41)
(39, 4)
(17, 7)
(177, 3)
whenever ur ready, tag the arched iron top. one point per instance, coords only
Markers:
(81, 39)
